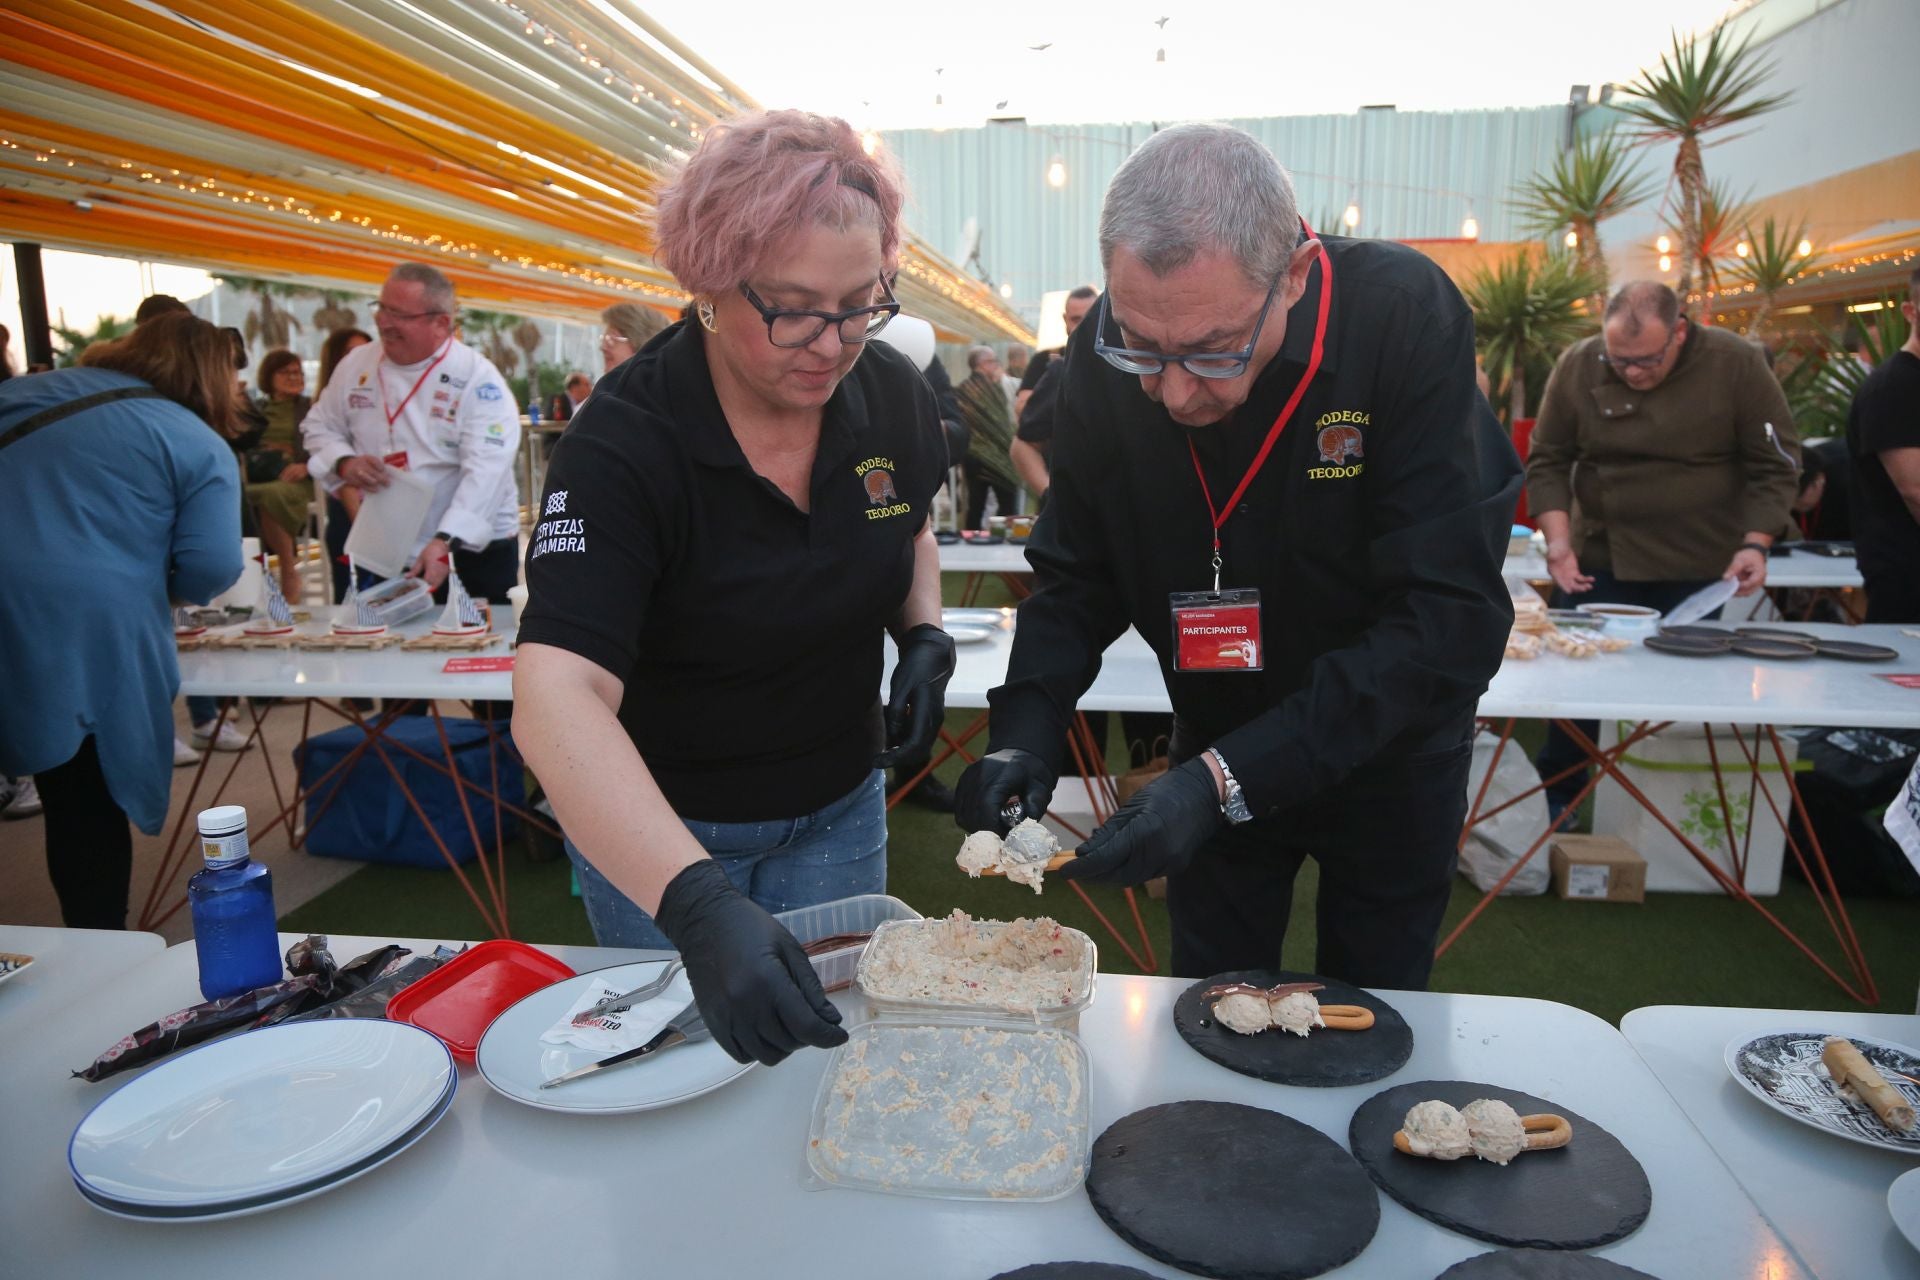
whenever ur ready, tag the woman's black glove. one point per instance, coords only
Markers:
(917, 698)
(992, 781)
(1156, 832)
(759, 996)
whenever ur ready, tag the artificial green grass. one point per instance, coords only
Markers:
(1606, 958)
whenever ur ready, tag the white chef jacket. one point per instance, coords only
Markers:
(460, 430)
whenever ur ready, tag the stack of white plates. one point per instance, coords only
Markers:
(250, 1123)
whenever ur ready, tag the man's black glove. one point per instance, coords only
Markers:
(1156, 832)
(991, 781)
(917, 698)
(759, 996)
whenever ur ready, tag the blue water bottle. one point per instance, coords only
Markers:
(234, 932)
(533, 410)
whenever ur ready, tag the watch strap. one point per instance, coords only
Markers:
(1235, 805)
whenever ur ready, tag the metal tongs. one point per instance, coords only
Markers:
(639, 995)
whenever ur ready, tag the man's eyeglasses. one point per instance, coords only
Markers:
(386, 312)
(1218, 364)
(1624, 363)
(795, 327)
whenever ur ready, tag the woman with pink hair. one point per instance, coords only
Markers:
(730, 524)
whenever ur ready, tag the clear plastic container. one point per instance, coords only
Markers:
(397, 600)
(862, 914)
(1063, 1014)
(995, 1109)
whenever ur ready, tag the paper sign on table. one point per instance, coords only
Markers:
(467, 666)
(1911, 681)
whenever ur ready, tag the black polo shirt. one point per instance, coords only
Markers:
(1375, 532)
(747, 632)
(1885, 414)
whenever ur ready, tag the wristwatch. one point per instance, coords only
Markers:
(1235, 805)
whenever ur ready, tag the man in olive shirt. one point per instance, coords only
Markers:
(1664, 458)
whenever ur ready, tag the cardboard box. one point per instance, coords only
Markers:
(1598, 869)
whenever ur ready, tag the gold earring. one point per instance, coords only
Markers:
(704, 310)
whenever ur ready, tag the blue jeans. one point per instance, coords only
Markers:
(202, 709)
(838, 852)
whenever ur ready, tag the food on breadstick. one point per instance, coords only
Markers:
(1859, 1081)
(1489, 1128)
(1290, 1006)
(1025, 856)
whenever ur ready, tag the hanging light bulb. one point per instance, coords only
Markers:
(870, 142)
(1160, 55)
(1663, 244)
(1742, 249)
(1470, 227)
(1352, 216)
(1804, 248)
(1006, 290)
(1666, 263)
(1057, 173)
(1573, 240)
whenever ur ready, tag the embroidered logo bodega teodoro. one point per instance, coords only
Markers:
(883, 499)
(1340, 440)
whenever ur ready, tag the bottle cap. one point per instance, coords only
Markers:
(223, 820)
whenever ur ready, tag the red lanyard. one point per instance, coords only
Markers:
(1222, 514)
(393, 415)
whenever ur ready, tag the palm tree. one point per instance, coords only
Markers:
(333, 312)
(1594, 181)
(267, 324)
(527, 336)
(1721, 219)
(1698, 89)
(493, 327)
(76, 341)
(1772, 262)
(1527, 310)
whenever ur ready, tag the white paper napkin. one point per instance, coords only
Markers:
(616, 1032)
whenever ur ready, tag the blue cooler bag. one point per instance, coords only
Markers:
(368, 818)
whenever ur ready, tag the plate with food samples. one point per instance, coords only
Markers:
(1293, 1028)
(1857, 1088)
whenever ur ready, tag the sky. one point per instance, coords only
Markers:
(882, 66)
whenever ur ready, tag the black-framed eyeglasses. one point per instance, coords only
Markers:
(796, 327)
(405, 317)
(1624, 363)
(1213, 364)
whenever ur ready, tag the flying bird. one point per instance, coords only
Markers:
(1161, 23)
(1041, 48)
(1001, 105)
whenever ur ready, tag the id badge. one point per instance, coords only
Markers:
(1217, 630)
(397, 460)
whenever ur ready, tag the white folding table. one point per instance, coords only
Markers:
(67, 965)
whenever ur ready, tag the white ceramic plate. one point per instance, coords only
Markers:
(261, 1204)
(12, 962)
(1903, 1202)
(968, 634)
(249, 1118)
(1783, 1070)
(976, 617)
(515, 1061)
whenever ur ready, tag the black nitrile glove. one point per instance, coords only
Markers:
(759, 996)
(1156, 832)
(993, 780)
(917, 697)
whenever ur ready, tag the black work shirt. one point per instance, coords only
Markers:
(1375, 533)
(746, 631)
(1885, 415)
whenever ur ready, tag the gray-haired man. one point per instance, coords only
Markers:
(1271, 459)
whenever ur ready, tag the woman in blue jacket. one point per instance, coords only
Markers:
(117, 501)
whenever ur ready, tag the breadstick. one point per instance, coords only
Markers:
(1858, 1079)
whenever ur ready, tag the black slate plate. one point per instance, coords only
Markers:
(1076, 1271)
(1689, 646)
(1698, 631)
(1221, 1189)
(1776, 633)
(1540, 1264)
(1767, 647)
(1855, 651)
(1324, 1059)
(1586, 1194)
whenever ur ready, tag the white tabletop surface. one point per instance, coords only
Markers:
(1795, 569)
(1827, 1196)
(996, 557)
(714, 1187)
(67, 964)
(344, 673)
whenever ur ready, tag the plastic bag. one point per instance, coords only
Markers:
(1496, 843)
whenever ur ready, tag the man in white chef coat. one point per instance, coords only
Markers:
(422, 401)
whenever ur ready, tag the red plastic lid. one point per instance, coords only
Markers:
(459, 1000)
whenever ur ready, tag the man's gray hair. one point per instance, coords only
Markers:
(1196, 187)
(439, 288)
(977, 356)
(1644, 302)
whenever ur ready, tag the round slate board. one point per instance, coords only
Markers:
(1325, 1059)
(1588, 1193)
(1540, 1264)
(1221, 1189)
(1076, 1271)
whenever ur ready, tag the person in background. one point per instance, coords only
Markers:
(6, 353)
(629, 327)
(1016, 362)
(988, 466)
(1078, 303)
(732, 525)
(281, 503)
(563, 406)
(1664, 458)
(423, 401)
(343, 504)
(1883, 442)
(116, 502)
(158, 304)
(1033, 437)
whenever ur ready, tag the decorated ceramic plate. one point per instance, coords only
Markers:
(1783, 1070)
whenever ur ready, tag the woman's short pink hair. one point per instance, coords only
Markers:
(756, 179)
